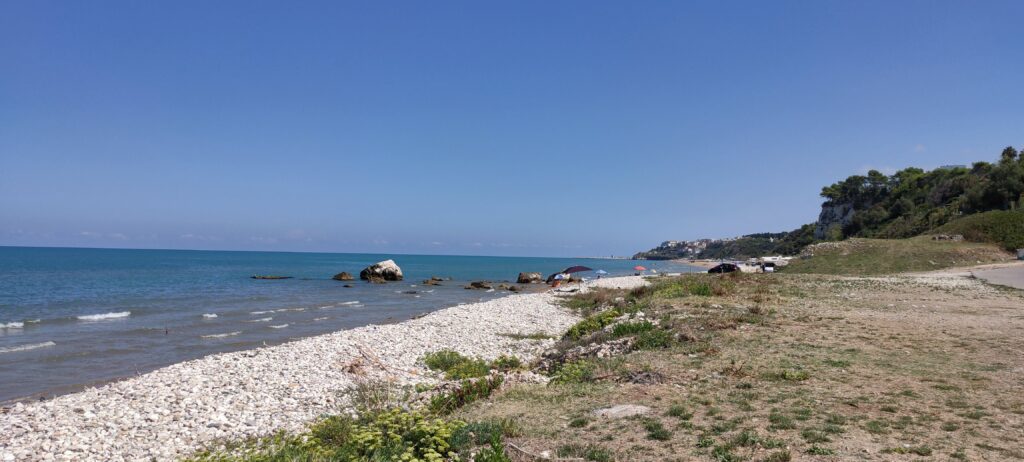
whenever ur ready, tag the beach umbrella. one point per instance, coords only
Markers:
(639, 268)
(601, 272)
(576, 269)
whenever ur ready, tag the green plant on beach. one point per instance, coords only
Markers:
(591, 324)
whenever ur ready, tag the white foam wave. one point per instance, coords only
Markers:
(289, 309)
(12, 325)
(261, 320)
(209, 315)
(261, 312)
(326, 307)
(226, 334)
(280, 326)
(34, 321)
(31, 346)
(354, 302)
(321, 319)
(490, 290)
(104, 316)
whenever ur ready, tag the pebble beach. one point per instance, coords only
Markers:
(171, 412)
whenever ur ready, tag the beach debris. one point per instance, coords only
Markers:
(343, 276)
(386, 270)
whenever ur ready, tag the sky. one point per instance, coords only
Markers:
(568, 128)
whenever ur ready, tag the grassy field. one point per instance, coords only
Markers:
(783, 367)
(1001, 227)
(888, 256)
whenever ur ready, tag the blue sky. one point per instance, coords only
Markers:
(495, 128)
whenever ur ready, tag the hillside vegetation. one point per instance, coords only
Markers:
(858, 256)
(907, 203)
(1001, 227)
(913, 201)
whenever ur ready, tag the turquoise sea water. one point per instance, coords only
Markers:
(73, 317)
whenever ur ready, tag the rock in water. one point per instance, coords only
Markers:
(343, 276)
(479, 285)
(529, 278)
(386, 270)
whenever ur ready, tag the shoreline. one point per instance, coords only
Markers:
(173, 411)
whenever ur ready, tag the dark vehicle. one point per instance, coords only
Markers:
(724, 268)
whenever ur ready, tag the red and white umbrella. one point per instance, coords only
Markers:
(639, 268)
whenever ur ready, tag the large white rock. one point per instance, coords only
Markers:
(387, 270)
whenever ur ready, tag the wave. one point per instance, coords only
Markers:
(12, 325)
(34, 321)
(104, 316)
(31, 346)
(321, 319)
(281, 326)
(354, 302)
(261, 320)
(289, 309)
(209, 315)
(227, 334)
(261, 312)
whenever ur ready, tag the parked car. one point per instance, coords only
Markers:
(724, 268)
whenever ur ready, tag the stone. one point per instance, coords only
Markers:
(529, 278)
(622, 411)
(343, 276)
(480, 285)
(386, 270)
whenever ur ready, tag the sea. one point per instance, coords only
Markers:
(71, 318)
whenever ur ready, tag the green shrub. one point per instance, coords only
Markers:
(467, 392)
(395, 434)
(443, 360)
(591, 324)
(631, 328)
(820, 451)
(458, 367)
(574, 372)
(506, 363)
(655, 430)
(653, 340)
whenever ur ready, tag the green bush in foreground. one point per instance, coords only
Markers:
(397, 434)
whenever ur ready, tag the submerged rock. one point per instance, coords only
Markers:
(343, 276)
(386, 270)
(480, 285)
(259, 276)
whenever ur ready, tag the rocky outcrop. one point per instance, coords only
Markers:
(386, 270)
(433, 281)
(480, 285)
(832, 219)
(529, 278)
(343, 276)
